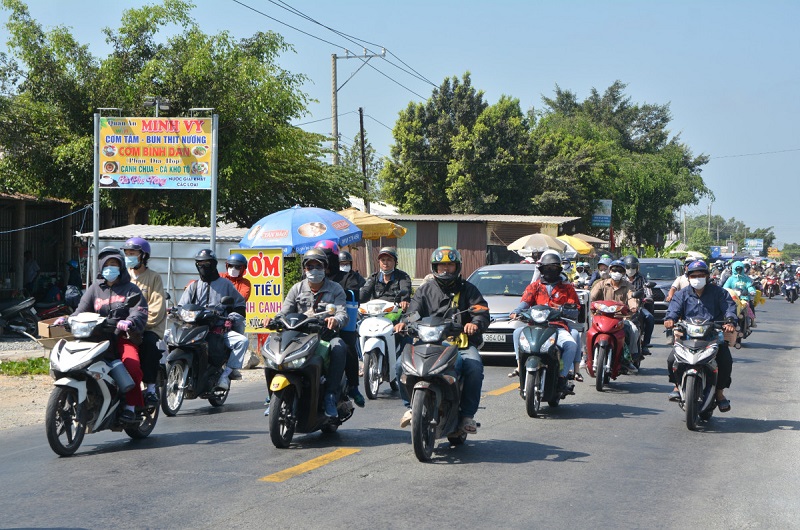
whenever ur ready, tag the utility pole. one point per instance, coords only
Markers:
(335, 91)
(364, 160)
(709, 219)
(684, 226)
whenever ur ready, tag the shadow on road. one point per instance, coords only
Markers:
(747, 345)
(501, 452)
(629, 386)
(596, 411)
(724, 425)
(351, 437)
(168, 440)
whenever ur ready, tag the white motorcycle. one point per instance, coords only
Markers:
(377, 342)
(89, 388)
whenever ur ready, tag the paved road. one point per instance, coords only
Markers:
(621, 458)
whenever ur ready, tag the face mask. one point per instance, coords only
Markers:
(131, 261)
(315, 275)
(550, 275)
(345, 268)
(233, 273)
(111, 273)
(616, 276)
(388, 272)
(579, 269)
(697, 283)
(208, 272)
(603, 274)
(630, 272)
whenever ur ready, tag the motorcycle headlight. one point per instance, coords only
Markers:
(82, 330)
(540, 315)
(547, 345)
(430, 333)
(270, 363)
(695, 331)
(297, 363)
(188, 316)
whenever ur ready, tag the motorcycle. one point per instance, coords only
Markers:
(295, 357)
(377, 341)
(696, 346)
(540, 356)
(89, 388)
(605, 341)
(743, 313)
(431, 379)
(19, 317)
(771, 287)
(197, 355)
(790, 289)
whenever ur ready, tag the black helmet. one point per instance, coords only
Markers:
(206, 255)
(631, 262)
(345, 256)
(391, 251)
(550, 259)
(315, 254)
(107, 251)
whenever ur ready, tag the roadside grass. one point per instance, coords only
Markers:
(37, 366)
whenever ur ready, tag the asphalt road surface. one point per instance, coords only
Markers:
(622, 458)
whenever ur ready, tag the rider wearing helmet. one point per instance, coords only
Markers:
(682, 281)
(601, 273)
(235, 269)
(137, 254)
(437, 297)
(209, 292)
(705, 301)
(388, 281)
(619, 289)
(311, 295)
(640, 284)
(552, 290)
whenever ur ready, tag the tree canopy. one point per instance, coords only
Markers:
(51, 86)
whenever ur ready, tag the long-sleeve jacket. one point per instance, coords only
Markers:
(605, 290)
(741, 282)
(301, 299)
(430, 300)
(715, 303)
(375, 288)
(211, 294)
(149, 282)
(537, 293)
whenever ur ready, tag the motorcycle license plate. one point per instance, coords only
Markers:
(494, 337)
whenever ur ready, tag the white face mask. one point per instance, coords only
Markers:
(616, 276)
(345, 268)
(697, 283)
(603, 274)
(234, 273)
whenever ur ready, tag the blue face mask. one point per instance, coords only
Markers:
(111, 273)
(131, 261)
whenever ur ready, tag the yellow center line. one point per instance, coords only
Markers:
(314, 463)
(503, 390)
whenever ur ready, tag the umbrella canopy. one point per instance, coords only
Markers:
(696, 255)
(372, 226)
(581, 247)
(537, 243)
(590, 239)
(299, 229)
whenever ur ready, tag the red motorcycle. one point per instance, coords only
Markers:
(772, 287)
(605, 341)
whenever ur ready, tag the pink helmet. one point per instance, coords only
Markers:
(328, 246)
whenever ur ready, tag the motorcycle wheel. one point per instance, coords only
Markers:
(65, 421)
(146, 426)
(31, 323)
(393, 385)
(372, 375)
(600, 372)
(172, 395)
(692, 404)
(423, 433)
(219, 397)
(281, 417)
(533, 393)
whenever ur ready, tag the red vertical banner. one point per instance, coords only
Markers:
(611, 238)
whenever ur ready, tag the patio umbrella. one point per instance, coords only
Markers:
(537, 243)
(581, 247)
(299, 229)
(372, 226)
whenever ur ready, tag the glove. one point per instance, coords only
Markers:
(228, 325)
(124, 325)
(60, 321)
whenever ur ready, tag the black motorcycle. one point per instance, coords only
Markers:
(197, 355)
(19, 316)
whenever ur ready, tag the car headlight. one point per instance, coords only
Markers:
(430, 333)
(540, 315)
(187, 315)
(82, 330)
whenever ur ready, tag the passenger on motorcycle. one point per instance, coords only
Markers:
(209, 292)
(112, 287)
(137, 253)
(346, 266)
(681, 281)
(602, 271)
(235, 269)
(581, 278)
(638, 281)
(619, 289)
(552, 291)
(310, 296)
(707, 302)
(448, 290)
(351, 282)
(741, 281)
(388, 281)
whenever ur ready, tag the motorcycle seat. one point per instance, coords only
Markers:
(15, 306)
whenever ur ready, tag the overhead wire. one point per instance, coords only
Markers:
(87, 207)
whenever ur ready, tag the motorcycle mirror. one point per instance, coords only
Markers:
(651, 284)
(167, 296)
(638, 294)
(330, 309)
(133, 300)
(227, 300)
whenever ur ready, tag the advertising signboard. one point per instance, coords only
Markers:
(602, 216)
(265, 272)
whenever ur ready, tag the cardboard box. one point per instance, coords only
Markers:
(48, 331)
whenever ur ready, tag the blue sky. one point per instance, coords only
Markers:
(729, 69)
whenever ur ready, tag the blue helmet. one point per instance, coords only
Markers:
(604, 261)
(236, 259)
(697, 266)
(617, 263)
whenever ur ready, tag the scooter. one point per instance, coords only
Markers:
(19, 317)
(790, 289)
(197, 355)
(771, 287)
(605, 341)
(540, 356)
(295, 357)
(696, 346)
(431, 379)
(377, 342)
(90, 386)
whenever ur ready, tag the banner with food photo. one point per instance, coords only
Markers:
(155, 153)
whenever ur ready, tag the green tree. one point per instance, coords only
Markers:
(265, 164)
(700, 241)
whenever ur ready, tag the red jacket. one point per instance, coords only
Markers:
(242, 284)
(563, 293)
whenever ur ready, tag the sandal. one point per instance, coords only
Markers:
(724, 405)
(578, 377)
(515, 373)
(469, 425)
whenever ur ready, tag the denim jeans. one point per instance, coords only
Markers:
(338, 359)
(238, 345)
(470, 366)
(631, 336)
(649, 324)
(566, 343)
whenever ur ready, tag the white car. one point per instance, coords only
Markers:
(502, 287)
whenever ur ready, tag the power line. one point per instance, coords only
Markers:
(378, 121)
(325, 119)
(46, 222)
(757, 154)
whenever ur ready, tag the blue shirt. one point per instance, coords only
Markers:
(714, 304)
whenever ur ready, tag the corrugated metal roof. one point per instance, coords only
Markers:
(225, 232)
(530, 219)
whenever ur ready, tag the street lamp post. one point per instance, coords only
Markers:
(158, 103)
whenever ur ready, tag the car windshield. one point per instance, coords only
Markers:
(658, 271)
(501, 282)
